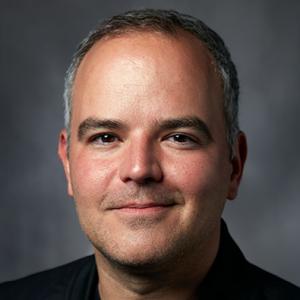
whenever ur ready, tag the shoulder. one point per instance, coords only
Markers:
(244, 280)
(50, 284)
(270, 285)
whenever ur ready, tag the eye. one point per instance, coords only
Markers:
(103, 139)
(182, 139)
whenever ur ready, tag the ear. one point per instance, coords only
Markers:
(64, 157)
(237, 162)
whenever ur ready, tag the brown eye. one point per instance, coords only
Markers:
(104, 139)
(181, 139)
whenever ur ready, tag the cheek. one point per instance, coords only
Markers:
(90, 178)
(199, 176)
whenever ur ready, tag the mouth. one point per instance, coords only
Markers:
(144, 208)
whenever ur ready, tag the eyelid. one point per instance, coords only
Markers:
(185, 135)
(197, 138)
(191, 137)
(94, 137)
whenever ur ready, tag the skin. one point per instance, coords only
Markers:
(149, 165)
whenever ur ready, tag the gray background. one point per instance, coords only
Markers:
(38, 225)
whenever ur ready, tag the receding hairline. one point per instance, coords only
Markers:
(175, 35)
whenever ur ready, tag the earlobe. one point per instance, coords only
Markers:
(63, 155)
(237, 162)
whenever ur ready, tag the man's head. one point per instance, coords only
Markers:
(149, 164)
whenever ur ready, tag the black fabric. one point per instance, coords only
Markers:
(231, 277)
(74, 281)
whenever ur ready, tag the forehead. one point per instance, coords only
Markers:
(148, 66)
(179, 50)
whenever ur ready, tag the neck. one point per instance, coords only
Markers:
(175, 281)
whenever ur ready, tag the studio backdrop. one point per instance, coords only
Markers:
(38, 224)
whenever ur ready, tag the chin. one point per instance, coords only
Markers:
(133, 263)
(144, 256)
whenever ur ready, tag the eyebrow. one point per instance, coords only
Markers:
(168, 124)
(187, 122)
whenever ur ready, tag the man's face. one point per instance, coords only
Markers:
(149, 164)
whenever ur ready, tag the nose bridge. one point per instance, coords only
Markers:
(140, 162)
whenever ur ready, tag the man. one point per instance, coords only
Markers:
(152, 150)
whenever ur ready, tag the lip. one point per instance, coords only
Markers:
(143, 208)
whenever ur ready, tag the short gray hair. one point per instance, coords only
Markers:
(165, 21)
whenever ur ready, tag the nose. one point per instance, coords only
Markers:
(140, 163)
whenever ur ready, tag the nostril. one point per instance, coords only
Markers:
(141, 172)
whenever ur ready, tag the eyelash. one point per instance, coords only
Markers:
(187, 139)
(95, 139)
(112, 138)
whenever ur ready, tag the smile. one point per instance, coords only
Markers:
(144, 209)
